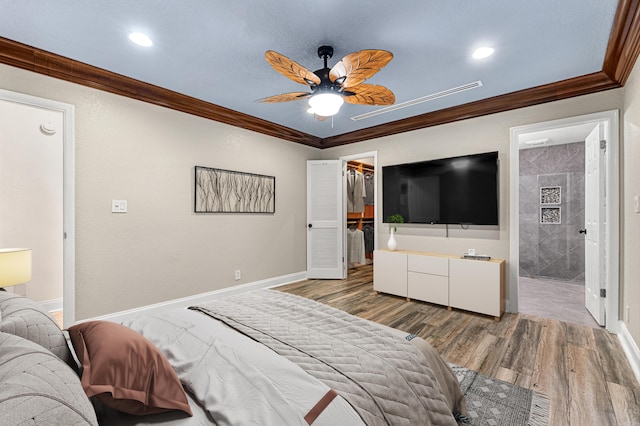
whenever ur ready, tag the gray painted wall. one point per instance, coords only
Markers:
(552, 250)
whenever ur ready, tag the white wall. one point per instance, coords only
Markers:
(483, 134)
(160, 250)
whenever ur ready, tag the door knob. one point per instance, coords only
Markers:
(310, 225)
(583, 231)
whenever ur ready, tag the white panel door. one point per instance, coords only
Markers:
(594, 225)
(325, 220)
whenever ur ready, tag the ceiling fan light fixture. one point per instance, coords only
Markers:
(326, 104)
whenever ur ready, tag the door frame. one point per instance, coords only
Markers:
(345, 159)
(68, 191)
(610, 132)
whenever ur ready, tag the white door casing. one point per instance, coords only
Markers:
(595, 226)
(325, 220)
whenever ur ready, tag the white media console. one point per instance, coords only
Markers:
(471, 285)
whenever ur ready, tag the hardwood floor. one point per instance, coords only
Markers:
(582, 370)
(57, 315)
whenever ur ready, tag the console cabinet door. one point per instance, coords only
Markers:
(390, 272)
(475, 285)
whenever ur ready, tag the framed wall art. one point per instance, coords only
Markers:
(227, 191)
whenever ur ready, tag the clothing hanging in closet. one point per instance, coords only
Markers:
(355, 246)
(367, 229)
(368, 188)
(355, 192)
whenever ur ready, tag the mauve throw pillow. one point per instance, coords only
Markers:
(125, 370)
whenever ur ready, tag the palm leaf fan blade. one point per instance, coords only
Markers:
(291, 69)
(370, 94)
(359, 66)
(285, 97)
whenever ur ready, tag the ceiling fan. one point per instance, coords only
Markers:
(330, 88)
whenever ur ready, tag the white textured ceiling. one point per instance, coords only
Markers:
(214, 50)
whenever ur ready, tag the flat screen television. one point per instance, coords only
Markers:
(459, 190)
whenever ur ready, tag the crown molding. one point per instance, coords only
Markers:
(624, 42)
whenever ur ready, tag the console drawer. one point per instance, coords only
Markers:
(428, 264)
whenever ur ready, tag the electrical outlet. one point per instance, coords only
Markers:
(238, 275)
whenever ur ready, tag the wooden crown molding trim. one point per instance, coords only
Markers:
(528, 97)
(32, 59)
(624, 42)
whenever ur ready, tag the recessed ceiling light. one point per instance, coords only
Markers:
(140, 39)
(483, 52)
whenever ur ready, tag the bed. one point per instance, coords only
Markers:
(263, 357)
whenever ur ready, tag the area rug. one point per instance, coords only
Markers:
(494, 402)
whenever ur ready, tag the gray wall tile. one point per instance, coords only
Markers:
(554, 251)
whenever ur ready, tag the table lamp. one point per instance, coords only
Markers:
(15, 266)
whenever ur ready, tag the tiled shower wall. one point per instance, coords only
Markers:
(554, 251)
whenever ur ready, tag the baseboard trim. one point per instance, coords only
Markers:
(52, 305)
(199, 298)
(630, 348)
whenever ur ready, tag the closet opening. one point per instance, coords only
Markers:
(360, 211)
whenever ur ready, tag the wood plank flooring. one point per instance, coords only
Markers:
(57, 315)
(582, 370)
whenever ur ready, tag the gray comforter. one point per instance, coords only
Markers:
(385, 378)
(231, 380)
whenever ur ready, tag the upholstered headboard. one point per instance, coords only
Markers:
(38, 385)
(24, 317)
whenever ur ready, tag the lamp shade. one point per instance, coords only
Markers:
(15, 266)
(326, 104)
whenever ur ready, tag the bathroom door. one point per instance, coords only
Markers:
(595, 226)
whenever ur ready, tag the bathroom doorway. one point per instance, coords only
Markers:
(552, 218)
(549, 241)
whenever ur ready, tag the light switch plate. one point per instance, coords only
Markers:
(636, 203)
(118, 206)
